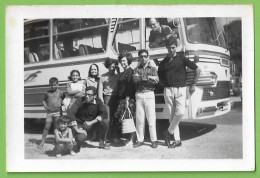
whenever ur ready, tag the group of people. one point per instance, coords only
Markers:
(99, 102)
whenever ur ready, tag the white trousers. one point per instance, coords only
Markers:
(145, 108)
(175, 99)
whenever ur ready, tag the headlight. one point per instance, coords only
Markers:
(214, 77)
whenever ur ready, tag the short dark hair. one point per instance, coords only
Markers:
(94, 89)
(71, 72)
(143, 51)
(171, 41)
(108, 62)
(128, 56)
(53, 80)
(89, 71)
(65, 119)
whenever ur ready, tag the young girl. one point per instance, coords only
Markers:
(63, 136)
(75, 89)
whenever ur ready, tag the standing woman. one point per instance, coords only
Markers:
(93, 80)
(126, 89)
(108, 93)
(93, 76)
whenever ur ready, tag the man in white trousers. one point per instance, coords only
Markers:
(172, 74)
(145, 78)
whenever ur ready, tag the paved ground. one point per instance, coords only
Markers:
(215, 138)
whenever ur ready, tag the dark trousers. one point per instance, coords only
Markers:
(102, 128)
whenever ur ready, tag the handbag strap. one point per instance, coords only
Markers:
(122, 118)
(130, 114)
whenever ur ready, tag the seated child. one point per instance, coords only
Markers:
(63, 136)
(52, 102)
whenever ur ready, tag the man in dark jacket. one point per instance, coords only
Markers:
(172, 74)
(89, 113)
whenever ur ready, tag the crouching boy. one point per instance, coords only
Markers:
(63, 136)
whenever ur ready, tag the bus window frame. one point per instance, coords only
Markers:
(163, 47)
(75, 31)
(188, 40)
(116, 51)
(27, 22)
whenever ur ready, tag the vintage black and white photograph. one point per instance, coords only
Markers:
(140, 88)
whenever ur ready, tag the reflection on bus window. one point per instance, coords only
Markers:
(127, 37)
(79, 37)
(36, 42)
(205, 31)
(160, 29)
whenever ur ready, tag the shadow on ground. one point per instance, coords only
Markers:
(188, 130)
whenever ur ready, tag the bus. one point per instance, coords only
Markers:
(54, 47)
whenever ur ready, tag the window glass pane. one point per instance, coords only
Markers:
(159, 29)
(79, 37)
(205, 31)
(37, 29)
(127, 37)
(36, 42)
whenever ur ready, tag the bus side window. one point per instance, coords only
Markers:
(36, 42)
(80, 37)
(158, 39)
(127, 36)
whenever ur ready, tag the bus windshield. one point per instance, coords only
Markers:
(205, 30)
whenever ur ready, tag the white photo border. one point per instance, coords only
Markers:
(15, 16)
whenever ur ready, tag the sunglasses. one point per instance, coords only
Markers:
(89, 94)
(143, 56)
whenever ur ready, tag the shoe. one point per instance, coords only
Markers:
(77, 147)
(129, 142)
(154, 144)
(138, 144)
(104, 145)
(58, 155)
(175, 144)
(72, 153)
(167, 137)
(116, 140)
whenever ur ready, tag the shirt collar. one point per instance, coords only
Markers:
(160, 30)
(148, 64)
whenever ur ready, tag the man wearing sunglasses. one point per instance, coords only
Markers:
(89, 113)
(172, 74)
(145, 78)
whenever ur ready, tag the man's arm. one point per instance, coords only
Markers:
(154, 45)
(196, 76)
(153, 79)
(101, 114)
(193, 66)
